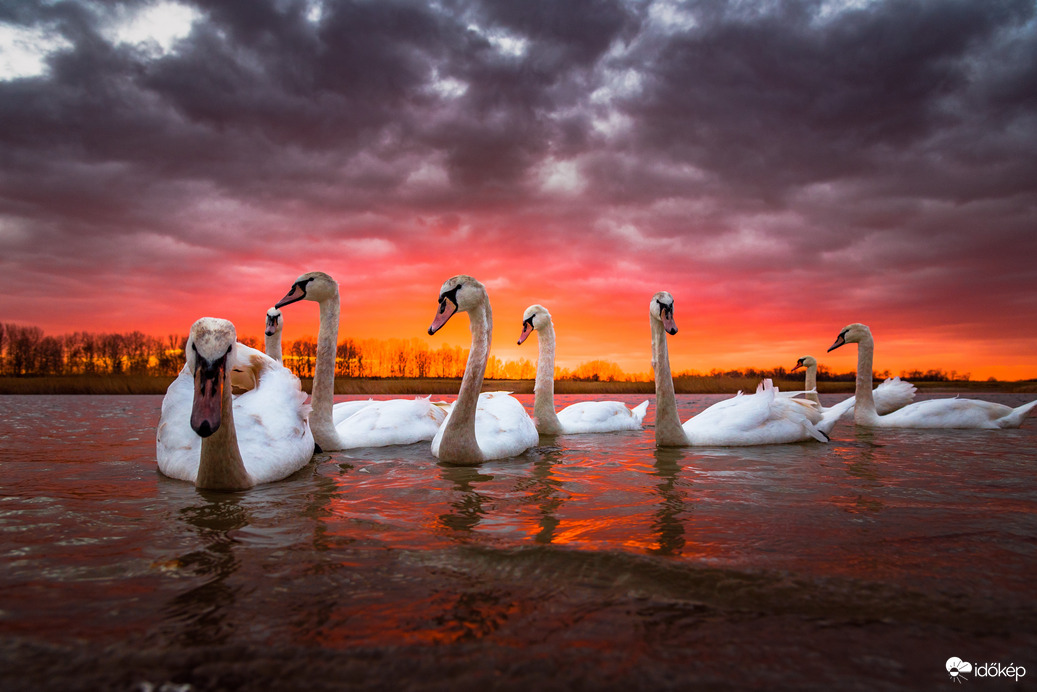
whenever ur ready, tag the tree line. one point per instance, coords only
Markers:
(27, 351)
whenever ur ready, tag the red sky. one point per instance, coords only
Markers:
(783, 170)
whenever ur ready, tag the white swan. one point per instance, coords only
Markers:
(376, 424)
(582, 417)
(891, 394)
(492, 425)
(272, 334)
(931, 413)
(747, 419)
(221, 442)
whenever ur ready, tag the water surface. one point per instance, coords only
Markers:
(590, 562)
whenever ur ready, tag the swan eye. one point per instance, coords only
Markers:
(529, 322)
(450, 295)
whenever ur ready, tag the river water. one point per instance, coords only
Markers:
(591, 562)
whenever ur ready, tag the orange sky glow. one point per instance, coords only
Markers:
(782, 174)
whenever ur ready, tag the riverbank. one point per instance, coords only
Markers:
(146, 384)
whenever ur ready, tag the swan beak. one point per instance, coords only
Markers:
(797, 366)
(668, 324)
(296, 294)
(840, 340)
(208, 396)
(447, 308)
(527, 329)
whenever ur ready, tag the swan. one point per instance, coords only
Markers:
(376, 424)
(272, 334)
(220, 442)
(583, 417)
(747, 419)
(891, 394)
(931, 413)
(491, 425)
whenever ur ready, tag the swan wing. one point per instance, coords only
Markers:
(892, 394)
(502, 426)
(345, 409)
(600, 416)
(393, 422)
(756, 419)
(831, 415)
(271, 422)
(948, 413)
(178, 447)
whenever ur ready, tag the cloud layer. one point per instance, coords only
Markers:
(783, 168)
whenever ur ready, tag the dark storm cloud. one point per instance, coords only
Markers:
(700, 143)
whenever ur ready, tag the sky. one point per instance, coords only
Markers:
(782, 168)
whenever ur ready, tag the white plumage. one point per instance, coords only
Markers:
(891, 394)
(261, 435)
(479, 427)
(502, 428)
(762, 418)
(350, 425)
(931, 413)
(581, 417)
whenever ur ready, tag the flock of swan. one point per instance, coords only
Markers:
(235, 417)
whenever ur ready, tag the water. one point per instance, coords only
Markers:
(592, 562)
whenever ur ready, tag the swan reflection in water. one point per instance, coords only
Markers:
(537, 488)
(205, 613)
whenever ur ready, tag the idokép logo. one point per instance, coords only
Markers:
(957, 669)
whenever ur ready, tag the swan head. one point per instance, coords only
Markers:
(805, 362)
(535, 317)
(661, 309)
(209, 347)
(274, 322)
(852, 334)
(316, 286)
(460, 293)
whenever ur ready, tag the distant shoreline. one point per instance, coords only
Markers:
(146, 384)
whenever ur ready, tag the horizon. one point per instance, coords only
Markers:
(783, 169)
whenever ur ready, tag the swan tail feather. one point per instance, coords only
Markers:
(639, 411)
(1016, 417)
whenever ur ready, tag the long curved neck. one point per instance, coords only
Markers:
(323, 391)
(220, 466)
(272, 346)
(668, 430)
(811, 384)
(544, 415)
(458, 442)
(864, 399)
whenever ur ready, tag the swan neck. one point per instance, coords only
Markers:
(272, 347)
(668, 430)
(323, 389)
(811, 383)
(864, 399)
(220, 466)
(458, 442)
(544, 400)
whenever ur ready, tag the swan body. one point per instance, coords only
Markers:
(891, 394)
(582, 417)
(272, 334)
(217, 441)
(379, 423)
(479, 426)
(931, 413)
(762, 418)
